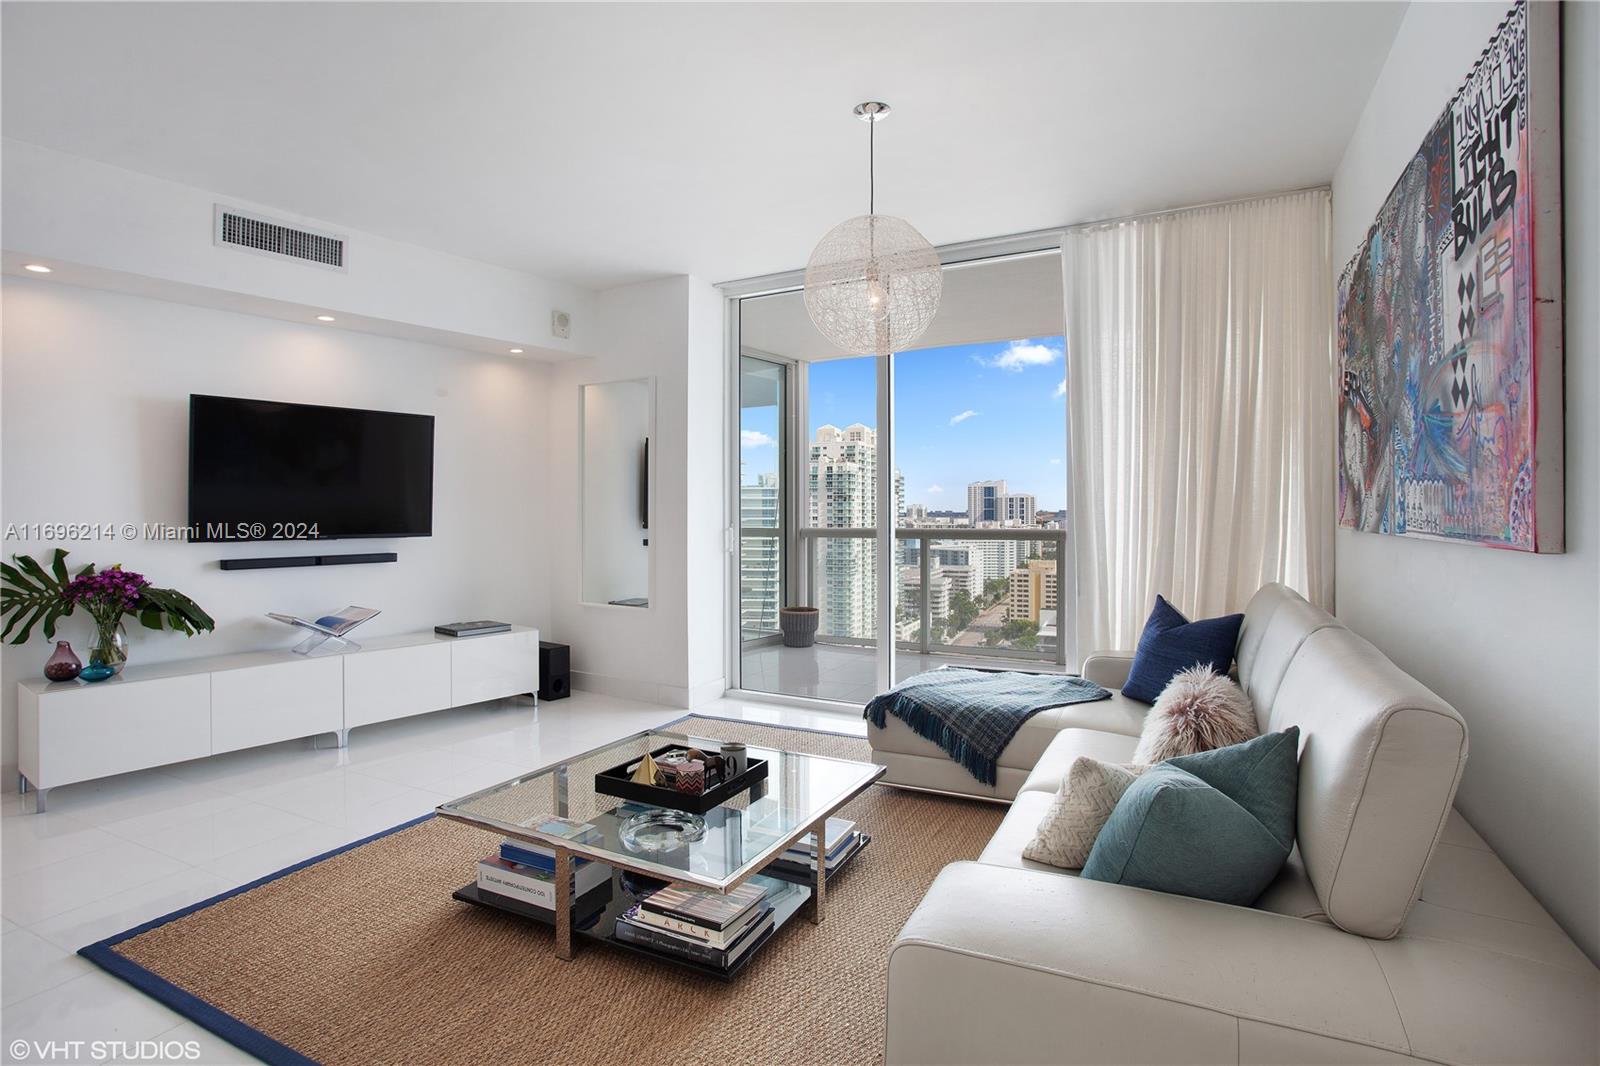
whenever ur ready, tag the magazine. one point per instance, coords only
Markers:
(334, 625)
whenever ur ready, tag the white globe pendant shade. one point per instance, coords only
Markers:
(873, 285)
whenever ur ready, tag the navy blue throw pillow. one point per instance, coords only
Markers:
(1171, 643)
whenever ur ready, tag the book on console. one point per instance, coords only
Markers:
(717, 938)
(702, 907)
(789, 862)
(630, 929)
(540, 858)
(333, 625)
(841, 834)
(533, 886)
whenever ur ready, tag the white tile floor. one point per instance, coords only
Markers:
(111, 854)
(848, 673)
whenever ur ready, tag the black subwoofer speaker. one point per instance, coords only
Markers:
(555, 671)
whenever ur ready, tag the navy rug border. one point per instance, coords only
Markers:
(219, 1022)
(192, 1007)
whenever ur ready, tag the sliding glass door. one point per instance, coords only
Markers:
(951, 557)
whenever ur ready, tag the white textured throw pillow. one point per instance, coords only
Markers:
(1197, 711)
(1087, 796)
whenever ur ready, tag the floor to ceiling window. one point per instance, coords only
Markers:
(976, 499)
(980, 439)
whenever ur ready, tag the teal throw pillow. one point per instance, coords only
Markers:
(1217, 825)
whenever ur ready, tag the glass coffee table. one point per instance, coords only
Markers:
(742, 837)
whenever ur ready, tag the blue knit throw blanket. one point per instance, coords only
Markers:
(973, 714)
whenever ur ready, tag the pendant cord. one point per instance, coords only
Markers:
(872, 167)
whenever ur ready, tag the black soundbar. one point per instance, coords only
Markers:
(282, 561)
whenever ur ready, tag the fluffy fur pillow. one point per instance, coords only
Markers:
(1088, 795)
(1198, 710)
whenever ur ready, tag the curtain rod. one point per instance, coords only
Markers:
(1140, 216)
(1011, 244)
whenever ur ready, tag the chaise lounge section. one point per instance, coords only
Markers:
(1393, 934)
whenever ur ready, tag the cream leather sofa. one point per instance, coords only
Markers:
(1394, 934)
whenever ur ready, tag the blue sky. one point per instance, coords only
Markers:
(970, 412)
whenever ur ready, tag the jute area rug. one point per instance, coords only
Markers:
(363, 957)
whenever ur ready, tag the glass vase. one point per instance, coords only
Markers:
(63, 664)
(109, 652)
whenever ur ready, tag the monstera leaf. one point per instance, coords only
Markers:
(177, 611)
(31, 595)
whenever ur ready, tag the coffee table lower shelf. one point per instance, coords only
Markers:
(595, 916)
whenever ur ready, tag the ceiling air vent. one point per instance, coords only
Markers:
(239, 230)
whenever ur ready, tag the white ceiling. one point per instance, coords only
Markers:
(989, 300)
(607, 143)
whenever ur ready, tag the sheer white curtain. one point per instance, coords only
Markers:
(1201, 391)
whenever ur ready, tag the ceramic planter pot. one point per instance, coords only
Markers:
(799, 625)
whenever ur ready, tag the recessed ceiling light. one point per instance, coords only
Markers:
(324, 318)
(37, 268)
(516, 351)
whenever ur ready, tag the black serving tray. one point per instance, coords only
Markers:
(617, 782)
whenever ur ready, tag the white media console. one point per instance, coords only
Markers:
(165, 713)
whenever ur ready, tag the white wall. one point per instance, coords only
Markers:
(1512, 640)
(65, 208)
(656, 329)
(95, 412)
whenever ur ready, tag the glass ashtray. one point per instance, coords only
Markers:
(662, 830)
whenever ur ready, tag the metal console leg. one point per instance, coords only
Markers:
(40, 797)
(819, 880)
(343, 738)
(22, 785)
(563, 904)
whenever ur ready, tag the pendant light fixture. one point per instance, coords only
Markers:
(873, 283)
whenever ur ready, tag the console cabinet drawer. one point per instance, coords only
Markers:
(87, 731)
(493, 666)
(395, 683)
(265, 704)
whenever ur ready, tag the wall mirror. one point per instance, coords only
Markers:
(618, 421)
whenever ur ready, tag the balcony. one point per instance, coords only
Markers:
(966, 597)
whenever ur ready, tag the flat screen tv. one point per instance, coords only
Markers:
(263, 470)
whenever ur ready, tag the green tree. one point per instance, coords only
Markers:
(1018, 632)
(963, 611)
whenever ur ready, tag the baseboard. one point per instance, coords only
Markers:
(710, 690)
(627, 688)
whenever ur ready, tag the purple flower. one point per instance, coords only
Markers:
(106, 594)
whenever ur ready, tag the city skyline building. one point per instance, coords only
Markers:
(989, 503)
(841, 494)
(1031, 589)
(760, 558)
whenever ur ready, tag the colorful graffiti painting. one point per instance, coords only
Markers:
(1449, 320)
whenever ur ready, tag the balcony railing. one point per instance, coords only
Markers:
(981, 636)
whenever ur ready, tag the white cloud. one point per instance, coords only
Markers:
(754, 438)
(1061, 388)
(934, 490)
(956, 420)
(1019, 355)
(1055, 462)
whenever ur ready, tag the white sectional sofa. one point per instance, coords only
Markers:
(1394, 934)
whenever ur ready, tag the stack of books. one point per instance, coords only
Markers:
(705, 927)
(525, 872)
(844, 839)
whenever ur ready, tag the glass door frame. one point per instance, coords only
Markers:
(1039, 242)
(791, 414)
